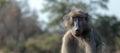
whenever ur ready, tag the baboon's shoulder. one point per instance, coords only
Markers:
(68, 35)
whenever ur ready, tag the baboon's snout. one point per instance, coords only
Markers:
(78, 30)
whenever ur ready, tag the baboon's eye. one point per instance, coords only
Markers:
(84, 17)
(81, 16)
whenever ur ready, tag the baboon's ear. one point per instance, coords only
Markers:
(66, 21)
(65, 17)
(87, 16)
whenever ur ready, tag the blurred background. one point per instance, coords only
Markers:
(35, 26)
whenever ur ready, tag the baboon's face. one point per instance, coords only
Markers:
(78, 24)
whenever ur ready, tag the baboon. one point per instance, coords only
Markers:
(81, 36)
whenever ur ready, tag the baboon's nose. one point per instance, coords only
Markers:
(77, 30)
(77, 33)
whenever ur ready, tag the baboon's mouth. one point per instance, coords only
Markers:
(85, 32)
(78, 34)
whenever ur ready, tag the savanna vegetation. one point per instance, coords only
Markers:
(22, 32)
